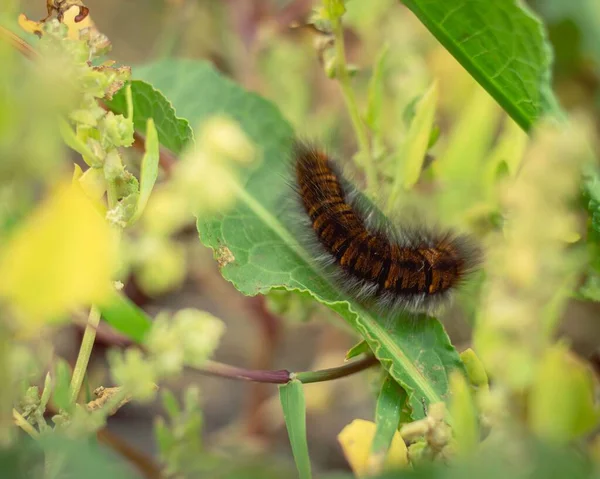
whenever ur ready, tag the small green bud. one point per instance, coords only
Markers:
(116, 129)
(333, 9)
(113, 166)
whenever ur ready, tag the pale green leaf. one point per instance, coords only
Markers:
(375, 95)
(419, 136)
(291, 396)
(149, 170)
(462, 410)
(390, 401)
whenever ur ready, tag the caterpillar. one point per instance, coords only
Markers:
(394, 268)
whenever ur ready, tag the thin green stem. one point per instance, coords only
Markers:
(111, 195)
(23, 424)
(335, 373)
(360, 129)
(87, 344)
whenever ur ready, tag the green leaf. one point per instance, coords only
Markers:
(390, 401)
(62, 384)
(357, 350)
(591, 192)
(502, 45)
(77, 458)
(294, 413)
(470, 140)
(412, 153)
(462, 409)
(475, 369)
(126, 317)
(539, 461)
(260, 232)
(562, 402)
(173, 132)
(149, 170)
(373, 116)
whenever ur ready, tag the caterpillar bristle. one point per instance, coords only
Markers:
(409, 268)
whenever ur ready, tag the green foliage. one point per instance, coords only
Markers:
(233, 174)
(125, 317)
(267, 256)
(388, 415)
(291, 396)
(513, 67)
(148, 102)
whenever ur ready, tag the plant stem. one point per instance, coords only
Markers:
(360, 129)
(83, 358)
(335, 373)
(21, 45)
(23, 424)
(282, 376)
(213, 368)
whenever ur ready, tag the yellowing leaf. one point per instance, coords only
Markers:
(61, 257)
(356, 439)
(561, 403)
(76, 19)
(30, 26)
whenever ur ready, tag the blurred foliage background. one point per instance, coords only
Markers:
(260, 44)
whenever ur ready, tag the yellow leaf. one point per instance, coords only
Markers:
(76, 20)
(356, 439)
(30, 26)
(62, 256)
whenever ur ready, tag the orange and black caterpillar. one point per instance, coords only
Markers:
(411, 269)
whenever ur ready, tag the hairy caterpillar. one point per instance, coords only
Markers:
(395, 268)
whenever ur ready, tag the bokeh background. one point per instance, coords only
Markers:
(260, 45)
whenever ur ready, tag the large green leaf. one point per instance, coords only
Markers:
(502, 45)
(261, 233)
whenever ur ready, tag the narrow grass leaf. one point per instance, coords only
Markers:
(390, 401)
(291, 396)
